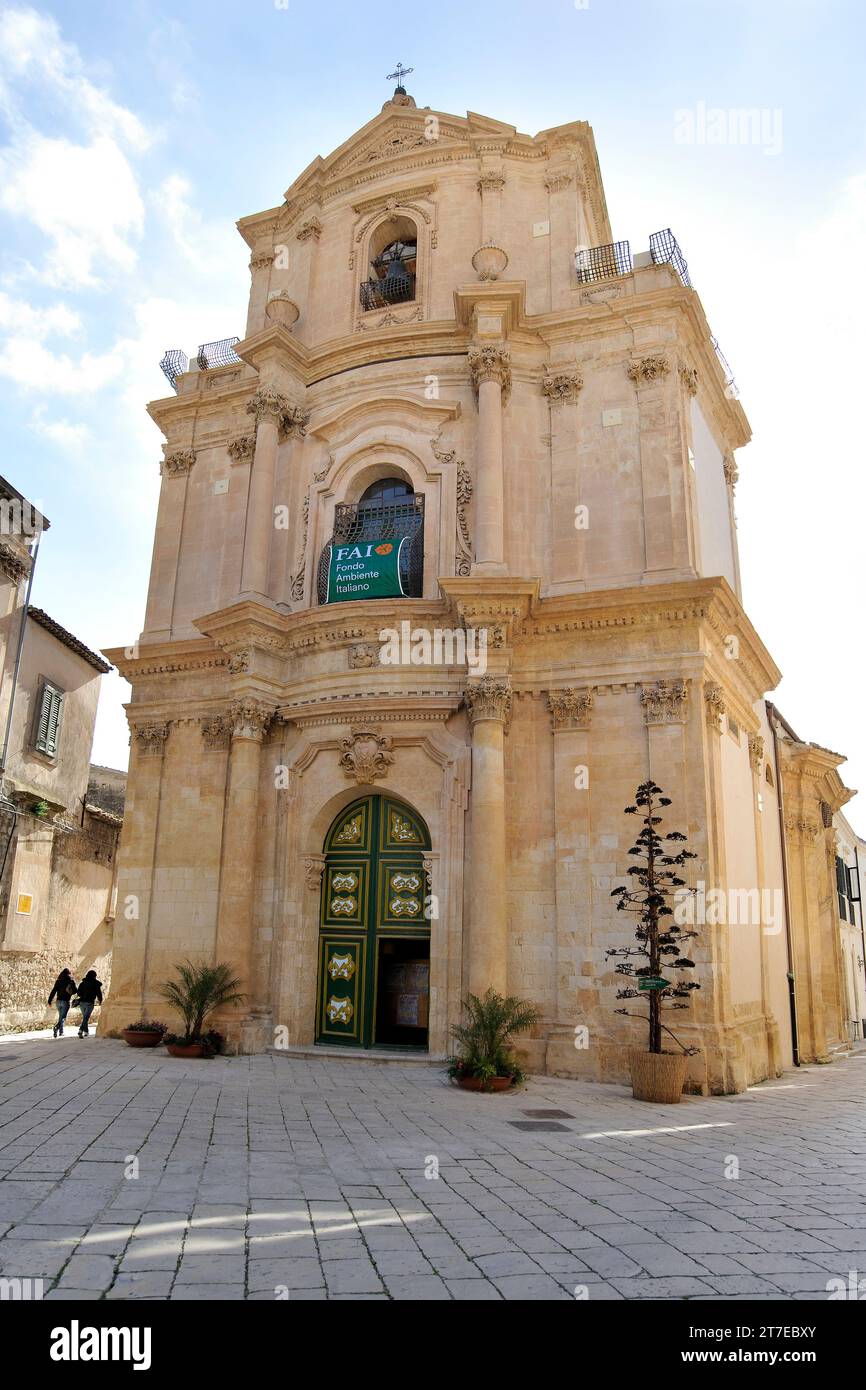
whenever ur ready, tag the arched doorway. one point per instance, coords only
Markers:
(374, 934)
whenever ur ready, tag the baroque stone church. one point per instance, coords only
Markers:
(463, 417)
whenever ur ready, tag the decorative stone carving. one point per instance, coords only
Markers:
(249, 719)
(314, 866)
(558, 179)
(715, 703)
(463, 556)
(390, 319)
(363, 655)
(178, 462)
(571, 708)
(266, 403)
(491, 183)
(238, 662)
(802, 827)
(242, 448)
(665, 702)
(732, 473)
(215, 731)
(13, 564)
(489, 261)
(647, 369)
(756, 752)
(310, 230)
(489, 698)
(561, 388)
(260, 259)
(366, 755)
(150, 738)
(297, 589)
(689, 378)
(282, 310)
(490, 362)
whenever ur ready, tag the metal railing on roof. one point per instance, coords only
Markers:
(220, 353)
(666, 250)
(594, 263)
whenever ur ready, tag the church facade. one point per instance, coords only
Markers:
(445, 565)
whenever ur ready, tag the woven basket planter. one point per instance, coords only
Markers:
(657, 1076)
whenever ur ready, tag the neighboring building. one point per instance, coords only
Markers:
(58, 853)
(441, 416)
(849, 859)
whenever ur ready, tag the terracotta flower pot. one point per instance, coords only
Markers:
(136, 1037)
(190, 1050)
(475, 1083)
(657, 1076)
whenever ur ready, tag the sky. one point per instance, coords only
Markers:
(132, 137)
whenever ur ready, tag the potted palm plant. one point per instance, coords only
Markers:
(656, 1074)
(197, 992)
(486, 1062)
(145, 1033)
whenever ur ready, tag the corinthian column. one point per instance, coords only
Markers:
(249, 720)
(489, 703)
(273, 412)
(490, 366)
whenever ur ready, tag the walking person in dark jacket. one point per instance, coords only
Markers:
(89, 993)
(64, 988)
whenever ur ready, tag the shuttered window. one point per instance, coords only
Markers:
(48, 719)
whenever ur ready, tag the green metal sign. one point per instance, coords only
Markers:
(366, 569)
(652, 982)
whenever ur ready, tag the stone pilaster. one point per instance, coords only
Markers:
(489, 703)
(175, 470)
(235, 920)
(663, 464)
(561, 386)
(273, 412)
(490, 368)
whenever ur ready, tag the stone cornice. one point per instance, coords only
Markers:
(428, 706)
(158, 659)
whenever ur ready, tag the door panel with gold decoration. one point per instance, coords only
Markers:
(374, 933)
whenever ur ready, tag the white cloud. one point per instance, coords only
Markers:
(26, 361)
(64, 433)
(54, 319)
(32, 51)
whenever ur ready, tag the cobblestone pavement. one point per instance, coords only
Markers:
(270, 1177)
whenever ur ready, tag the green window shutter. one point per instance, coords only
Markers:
(48, 723)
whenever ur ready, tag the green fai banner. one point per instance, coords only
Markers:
(366, 569)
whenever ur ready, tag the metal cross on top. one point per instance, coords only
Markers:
(400, 73)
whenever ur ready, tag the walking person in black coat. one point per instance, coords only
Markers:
(89, 993)
(64, 988)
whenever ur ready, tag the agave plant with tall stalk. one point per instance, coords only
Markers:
(199, 990)
(491, 1022)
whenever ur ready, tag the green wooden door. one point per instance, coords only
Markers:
(374, 891)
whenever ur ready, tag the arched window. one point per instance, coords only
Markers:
(388, 510)
(392, 264)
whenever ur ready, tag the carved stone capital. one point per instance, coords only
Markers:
(366, 755)
(260, 259)
(689, 378)
(491, 183)
(216, 731)
(310, 230)
(644, 370)
(571, 708)
(756, 752)
(802, 829)
(238, 663)
(150, 738)
(715, 702)
(178, 462)
(294, 422)
(314, 867)
(490, 362)
(13, 563)
(489, 698)
(242, 448)
(732, 473)
(266, 403)
(558, 179)
(561, 388)
(249, 719)
(664, 702)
